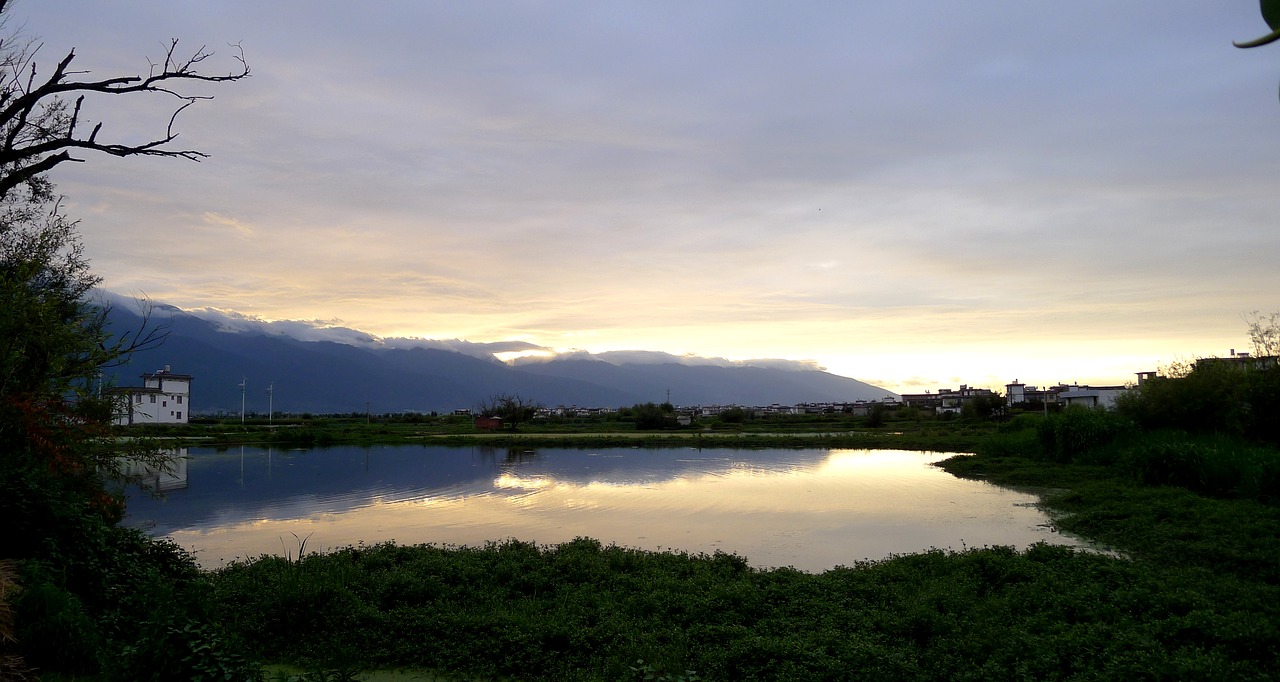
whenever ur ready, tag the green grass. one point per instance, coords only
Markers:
(1197, 596)
(582, 611)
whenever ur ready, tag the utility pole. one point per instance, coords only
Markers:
(271, 406)
(242, 383)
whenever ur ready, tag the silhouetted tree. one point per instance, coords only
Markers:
(512, 409)
(55, 439)
(1264, 333)
(42, 121)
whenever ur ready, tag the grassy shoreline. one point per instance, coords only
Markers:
(1195, 596)
(1198, 597)
(829, 433)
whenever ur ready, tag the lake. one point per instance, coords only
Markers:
(812, 509)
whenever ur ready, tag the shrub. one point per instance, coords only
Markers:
(1211, 397)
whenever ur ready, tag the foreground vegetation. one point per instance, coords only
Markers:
(1183, 483)
(1190, 591)
(1190, 588)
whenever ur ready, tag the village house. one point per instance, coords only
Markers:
(946, 399)
(1093, 396)
(1241, 360)
(1017, 393)
(163, 398)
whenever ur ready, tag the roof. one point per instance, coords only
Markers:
(166, 375)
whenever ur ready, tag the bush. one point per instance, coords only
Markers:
(1210, 398)
(54, 628)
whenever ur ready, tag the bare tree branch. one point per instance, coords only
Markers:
(39, 130)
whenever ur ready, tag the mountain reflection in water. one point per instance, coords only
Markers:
(811, 509)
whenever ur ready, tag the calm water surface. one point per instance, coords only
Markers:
(811, 509)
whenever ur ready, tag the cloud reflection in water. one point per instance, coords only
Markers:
(812, 509)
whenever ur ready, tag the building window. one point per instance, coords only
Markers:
(179, 415)
(164, 403)
(137, 398)
(179, 400)
(153, 400)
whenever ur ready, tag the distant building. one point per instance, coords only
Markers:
(1017, 393)
(925, 401)
(1240, 360)
(946, 399)
(163, 398)
(1093, 396)
(170, 474)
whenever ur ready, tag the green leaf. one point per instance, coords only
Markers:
(1271, 13)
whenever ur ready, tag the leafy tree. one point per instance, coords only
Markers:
(1229, 397)
(877, 414)
(89, 586)
(653, 417)
(983, 407)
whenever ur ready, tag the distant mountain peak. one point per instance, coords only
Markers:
(321, 367)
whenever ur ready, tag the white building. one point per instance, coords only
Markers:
(1093, 396)
(167, 474)
(163, 398)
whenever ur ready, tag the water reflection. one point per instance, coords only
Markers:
(165, 474)
(812, 509)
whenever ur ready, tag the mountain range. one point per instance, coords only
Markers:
(307, 372)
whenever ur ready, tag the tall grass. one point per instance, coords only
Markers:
(1082, 435)
(1211, 464)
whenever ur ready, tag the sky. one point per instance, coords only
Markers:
(914, 194)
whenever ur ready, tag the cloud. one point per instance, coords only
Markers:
(333, 330)
(213, 218)
(970, 181)
(485, 350)
(644, 357)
